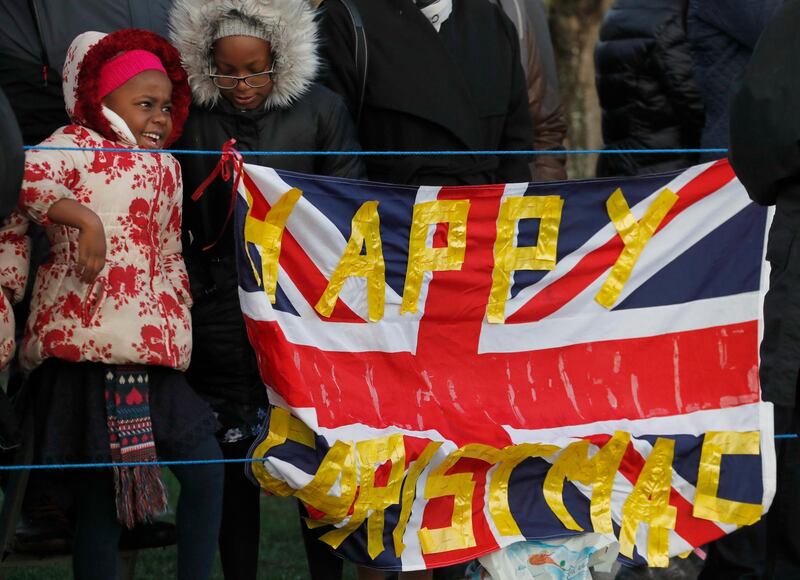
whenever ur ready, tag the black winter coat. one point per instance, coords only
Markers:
(460, 89)
(223, 364)
(646, 87)
(723, 34)
(12, 159)
(765, 152)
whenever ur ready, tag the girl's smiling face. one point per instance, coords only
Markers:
(145, 104)
(240, 56)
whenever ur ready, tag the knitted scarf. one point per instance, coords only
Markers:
(140, 493)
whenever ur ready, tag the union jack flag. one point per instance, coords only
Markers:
(614, 330)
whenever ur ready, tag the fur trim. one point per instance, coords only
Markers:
(88, 104)
(293, 38)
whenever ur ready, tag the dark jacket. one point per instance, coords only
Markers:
(646, 87)
(12, 164)
(298, 115)
(12, 159)
(723, 34)
(318, 121)
(544, 102)
(765, 152)
(223, 363)
(461, 89)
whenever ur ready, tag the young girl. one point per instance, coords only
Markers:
(252, 67)
(109, 330)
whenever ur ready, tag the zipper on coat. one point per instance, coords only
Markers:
(156, 247)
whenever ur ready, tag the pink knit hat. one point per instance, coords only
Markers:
(120, 69)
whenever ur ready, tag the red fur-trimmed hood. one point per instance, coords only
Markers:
(91, 50)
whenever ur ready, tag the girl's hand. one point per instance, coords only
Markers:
(91, 237)
(91, 249)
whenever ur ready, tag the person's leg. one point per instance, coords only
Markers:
(783, 541)
(322, 563)
(365, 573)
(738, 556)
(241, 517)
(418, 575)
(199, 510)
(95, 543)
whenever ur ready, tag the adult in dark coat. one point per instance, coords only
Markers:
(722, 34)
(12, 165)
(34, 39)
(646, 87)
(462, 88)
(12, 158)
(765, 152)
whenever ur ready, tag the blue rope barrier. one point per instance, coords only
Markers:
(42, 467)
(106, 465)
(380, 153)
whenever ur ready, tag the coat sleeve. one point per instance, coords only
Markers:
(171, 246)
(673, 57)
(337, 133)
(547, 114)
(15, 254)
(765, 127)
(338, 51)
(517, 128)
(50, 176)
(743, 20)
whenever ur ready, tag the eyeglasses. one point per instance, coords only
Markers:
(254, 81)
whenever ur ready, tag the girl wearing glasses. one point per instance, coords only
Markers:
(252, 68)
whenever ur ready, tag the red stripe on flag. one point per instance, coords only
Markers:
(468, 398)
(298, 266)
(553, 297)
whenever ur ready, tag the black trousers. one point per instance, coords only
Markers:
(323, 564)
(771, 547)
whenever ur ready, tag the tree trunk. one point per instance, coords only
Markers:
(574, 25)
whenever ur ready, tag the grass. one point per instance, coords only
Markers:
(281, 555)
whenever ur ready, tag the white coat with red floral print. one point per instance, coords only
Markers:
(137, 310)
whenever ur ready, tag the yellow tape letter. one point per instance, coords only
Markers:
(278, 432)
(510, 458)
(508, 257)
(267, 236)
(461, 488)
(599, 472)
(421, 258)
(372, 453)
(365, 230)
(706, 503)
(635, 236)
(337, 466)
(409, 493)
(649, 503)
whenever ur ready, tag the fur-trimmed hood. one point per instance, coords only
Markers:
(293, 37)
(86, 56)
